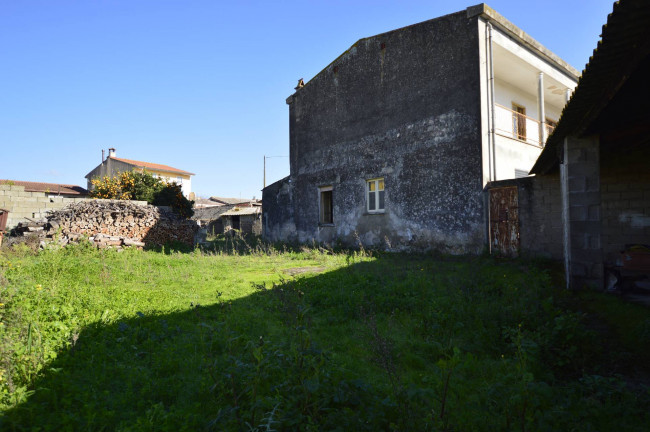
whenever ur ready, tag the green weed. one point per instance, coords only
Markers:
(246, 336)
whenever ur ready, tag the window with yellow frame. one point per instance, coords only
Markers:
(375, 200)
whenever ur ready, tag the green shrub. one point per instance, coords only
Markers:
(143, 186)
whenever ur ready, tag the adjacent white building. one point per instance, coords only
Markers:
(524, 88)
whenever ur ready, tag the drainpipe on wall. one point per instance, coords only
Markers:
(542, 114)
(566, 228)
(487, 89)
(492, 144)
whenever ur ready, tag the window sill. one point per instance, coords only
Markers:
(373, 213)
(325, 224)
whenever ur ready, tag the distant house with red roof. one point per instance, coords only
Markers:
(26, 201)
(112, 166)
(51, 189)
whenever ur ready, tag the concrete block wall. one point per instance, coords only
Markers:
(540, 215)
(625, 199)
(582, 157)
(24, 206)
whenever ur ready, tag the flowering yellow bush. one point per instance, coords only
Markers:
(142, 186)
(110, 187)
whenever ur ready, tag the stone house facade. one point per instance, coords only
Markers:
(392, 143)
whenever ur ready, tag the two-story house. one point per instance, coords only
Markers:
(112, 166)
(392, 143)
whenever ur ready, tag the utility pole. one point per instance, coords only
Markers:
(269, 157)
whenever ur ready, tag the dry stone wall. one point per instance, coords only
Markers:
(114, 223)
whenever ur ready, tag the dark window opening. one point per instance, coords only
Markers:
(326, 206)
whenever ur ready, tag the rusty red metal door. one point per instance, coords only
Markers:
(504, 221)
(4, 214)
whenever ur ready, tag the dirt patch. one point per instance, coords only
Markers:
(300, 270)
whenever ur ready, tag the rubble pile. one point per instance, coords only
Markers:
(111, 223)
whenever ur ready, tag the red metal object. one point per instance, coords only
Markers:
(4, 215)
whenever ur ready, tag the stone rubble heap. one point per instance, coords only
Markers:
(113, 223)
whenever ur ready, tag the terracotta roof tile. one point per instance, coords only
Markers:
(53, 188)
(153, 166)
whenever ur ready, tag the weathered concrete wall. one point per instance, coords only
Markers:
(540, 214)
(251, 224)
(403, 106)
(277, 212)
(625, 199)
(215, 227)
(248, 224)
(24, 206)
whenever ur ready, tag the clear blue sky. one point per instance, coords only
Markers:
(199, 84)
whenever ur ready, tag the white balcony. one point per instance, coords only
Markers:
(518, 126)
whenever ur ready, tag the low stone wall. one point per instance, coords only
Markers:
(30, 206)
(109, 223)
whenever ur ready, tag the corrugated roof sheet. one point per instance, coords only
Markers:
(204, 202)
(154, 166)
(210, 213)
(230, 200)
(242, 211)
(53, 188)
(625, 42)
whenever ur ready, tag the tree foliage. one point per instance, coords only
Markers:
(143, 186)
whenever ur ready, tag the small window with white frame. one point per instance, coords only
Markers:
(326, 205)
(375, 202)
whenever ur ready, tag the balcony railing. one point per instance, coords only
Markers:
(516, 125)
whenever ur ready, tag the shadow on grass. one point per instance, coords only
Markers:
(218, 367)
(397, 343)
(236, 242)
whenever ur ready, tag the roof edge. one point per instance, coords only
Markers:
(289, 99)
(130, 162)
(282, 180)
(492, 15)
(31, 186)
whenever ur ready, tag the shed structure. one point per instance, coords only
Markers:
(599, 154)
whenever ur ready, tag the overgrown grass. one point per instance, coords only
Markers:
(253, 337)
